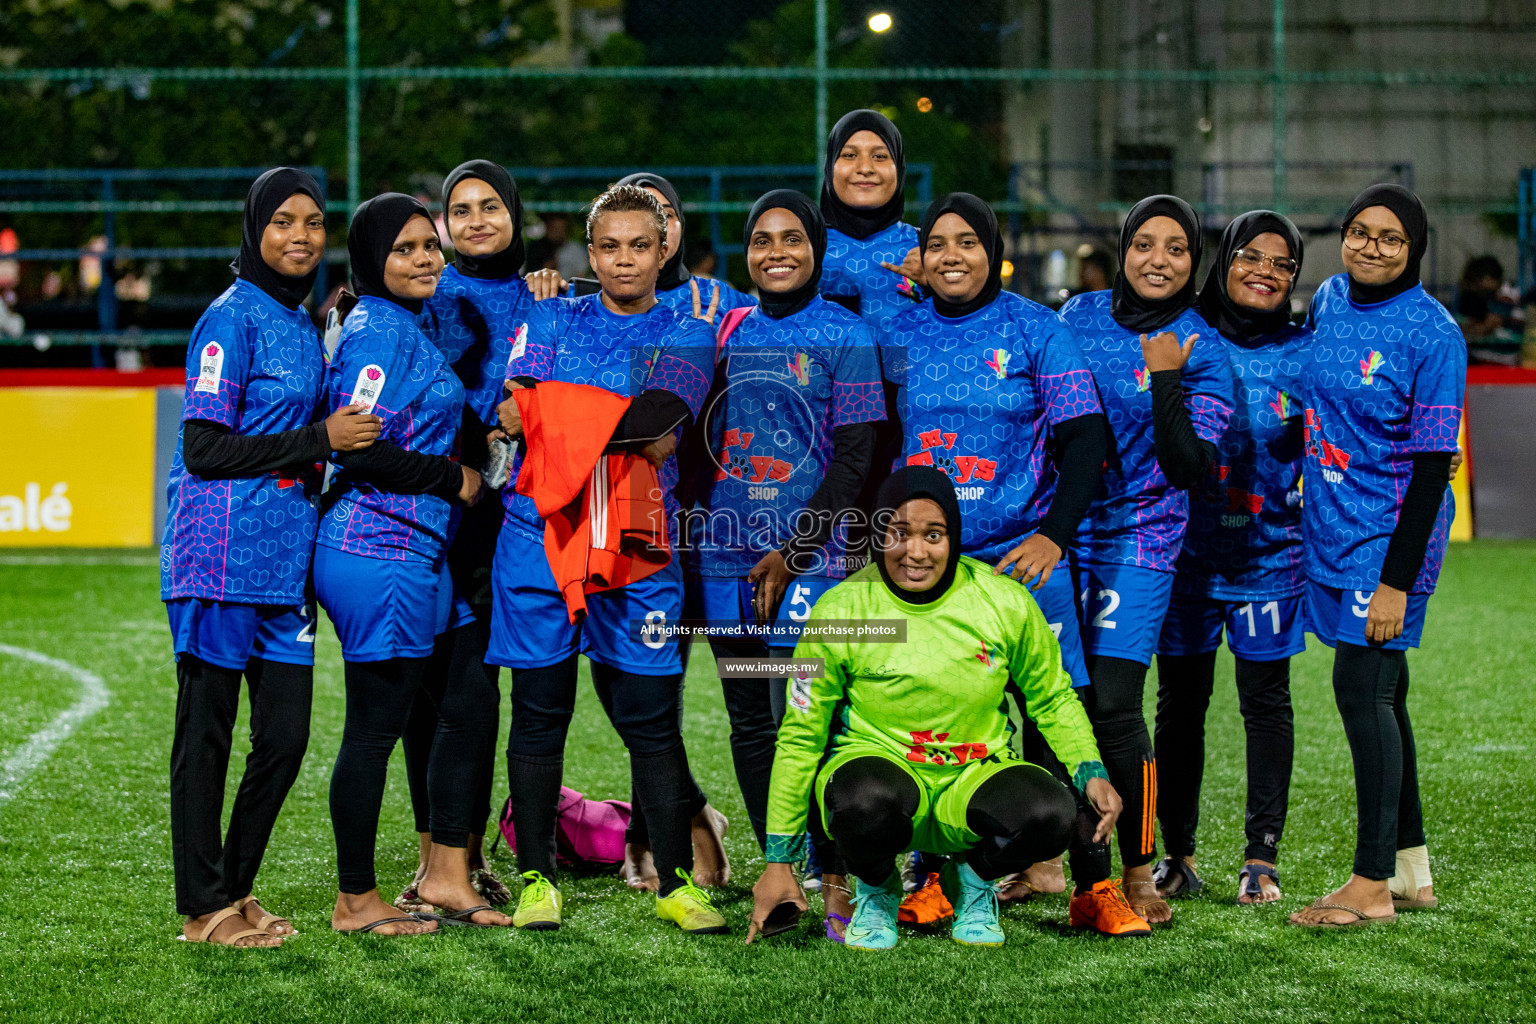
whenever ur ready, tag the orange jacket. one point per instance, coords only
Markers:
(604, 523)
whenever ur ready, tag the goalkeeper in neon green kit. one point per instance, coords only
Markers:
(919, 731)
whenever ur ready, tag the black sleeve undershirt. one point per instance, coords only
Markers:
(1082, 445)
(1416, 519)
(853, 449)
(473, 449)
(652, 415)
(211, 451)
(391, 467)
(1182, 456)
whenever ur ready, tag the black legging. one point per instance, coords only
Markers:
(1022, 815)
(754, 734)
(644, 711)
(1090, 861)
(459, 704)
(379, 699)
(1184, 686)
(212, 870)
(1114, 703)
(1370, 687)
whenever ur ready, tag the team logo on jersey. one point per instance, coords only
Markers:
(1281, 405)
(369, 385)
(1143, 379)
(1368, 367)
(800, 366)
(1333, 459)
(905, 288)
(997, 362)
(519, 341)
(938, 452)
(210, 369)
(988, 657)
(928, 748)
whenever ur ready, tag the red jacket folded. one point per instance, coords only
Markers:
(604, 522)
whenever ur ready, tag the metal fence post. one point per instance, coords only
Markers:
(1278, 97)
(821, 91)
(354, 114)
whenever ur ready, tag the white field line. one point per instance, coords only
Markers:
(128, 560)
(27, 758)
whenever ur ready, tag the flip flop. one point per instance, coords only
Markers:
(410, 900)
(832, 933)
(1174, 869)
(1248, 884)
(1360, 918)
(1016, 889)
(368, 928)
(463, 918)
(1141, 908)
(492, 889)
(1399, 903)
(228, 940)
(267, 920)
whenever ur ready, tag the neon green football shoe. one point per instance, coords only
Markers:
(690, 909)
(538, 908)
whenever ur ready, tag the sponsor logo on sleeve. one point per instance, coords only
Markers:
(370, 384)
(800, 692)
(520, 342)
(210, 370)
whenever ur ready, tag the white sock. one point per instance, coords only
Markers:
(1412, 873)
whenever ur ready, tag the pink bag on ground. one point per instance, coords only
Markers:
(589, 834)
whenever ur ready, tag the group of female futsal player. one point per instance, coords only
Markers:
(1040, 501)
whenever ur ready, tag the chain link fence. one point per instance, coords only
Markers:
(1060, 114)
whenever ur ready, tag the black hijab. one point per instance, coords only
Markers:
(1129, 309)
(851, 220)
(1241, 323)
(1410, 211)
(775, 305)
(907, 483)
(508, 261)
(375, 226)
(982, 220)
(674, 272)
(269, 192)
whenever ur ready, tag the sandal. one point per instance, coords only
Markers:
(833, 933)
(462, 918)
(228, 940)
(1174, 879)
(1360, 917)
(267, 920)
(1248, 884)
(491, 888)
(1136, 895)
(368, 928)
(1015, 888)
(1401, 903)
(410, 900)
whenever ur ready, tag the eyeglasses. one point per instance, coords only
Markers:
(1252, 260)
(1389, 245)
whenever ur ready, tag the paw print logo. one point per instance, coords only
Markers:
(373, 373)
(212, 349)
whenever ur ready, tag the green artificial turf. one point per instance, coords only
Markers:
(87, 918)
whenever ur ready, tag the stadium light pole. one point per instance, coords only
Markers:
(1278, 98)
(821, 90)
(354, 114)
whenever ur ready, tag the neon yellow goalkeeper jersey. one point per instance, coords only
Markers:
(939, 700)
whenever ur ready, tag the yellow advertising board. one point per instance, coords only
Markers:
(1461, 490)
(77, 467)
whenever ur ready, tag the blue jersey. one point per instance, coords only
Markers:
(580, 341)
(1244, 536)
(978, 396)
(256, 367)
(1137, 518)
(385, 361)
(1380, 384)
(474, 323)
(681, 297)
(789, 384)
(851, 270)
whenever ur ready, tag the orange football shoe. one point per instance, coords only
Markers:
(1104, 909)
(926, 907)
